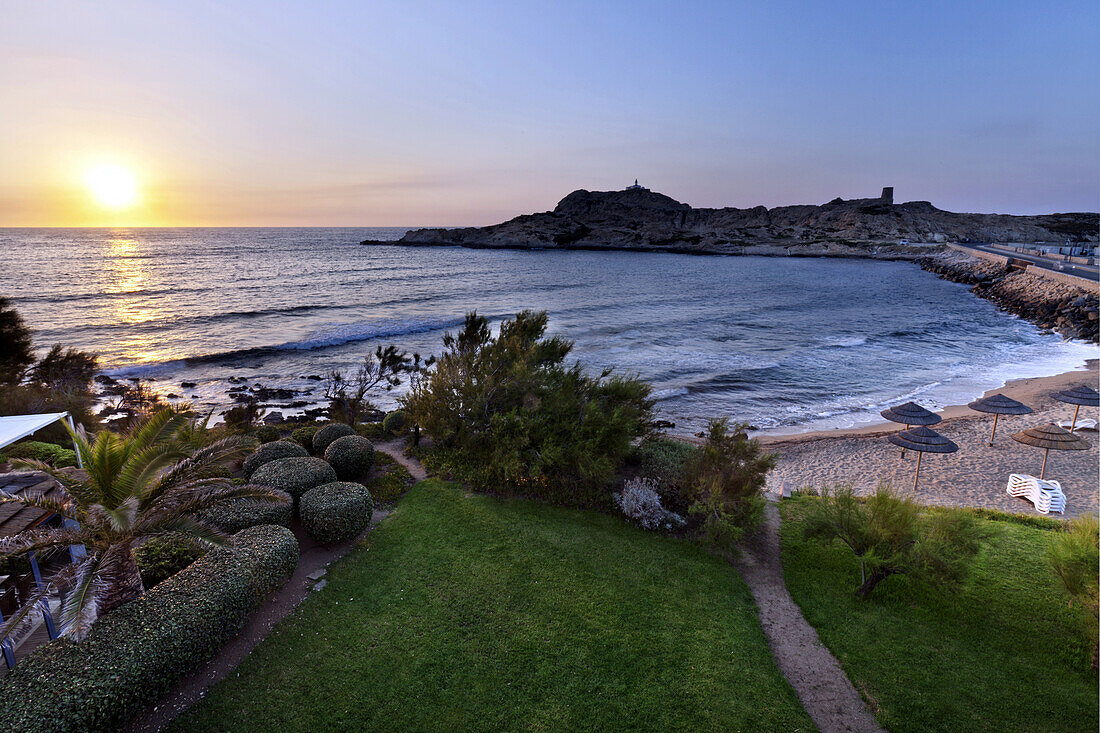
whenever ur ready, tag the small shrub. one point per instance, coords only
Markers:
(663, 460)
(350, 456)
(295, 476)
(49, 453)
(237, 514)
(136, 653)
(1075, 558)
(723, 483)
(641, 503)
(303, 436)
(269, 452)
(394, 422)
(323, 437)
(390, 479)
(267, 434)
(162, 557)
(891, 536)
(370, 430)
(336, 511)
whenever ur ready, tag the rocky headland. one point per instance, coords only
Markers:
(642, 220)
(1058, 306)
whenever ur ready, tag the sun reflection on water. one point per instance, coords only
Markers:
(126, 274)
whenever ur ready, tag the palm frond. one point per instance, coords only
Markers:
(196, 499)
(191, 470)
(196, 529)
(141, 468)
(160, 427)
(81, 605)
(64, 506)
(73, 485)
(40, 539)
(22, 616)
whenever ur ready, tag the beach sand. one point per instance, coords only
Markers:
(975, 476)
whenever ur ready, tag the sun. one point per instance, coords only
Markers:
(112, 186)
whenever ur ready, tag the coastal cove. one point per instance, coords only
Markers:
(783, 343)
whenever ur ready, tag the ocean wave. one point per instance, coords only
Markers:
(335, 335)
(667, 394)
(845, 343)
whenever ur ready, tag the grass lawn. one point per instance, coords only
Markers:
(388, 479)
(1001, 653)
(467, 612)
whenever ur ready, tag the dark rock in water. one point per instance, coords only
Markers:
(273, 418)
(236, 380)
(172, 396)
(188, 385)
(663, 424)
(314, 378)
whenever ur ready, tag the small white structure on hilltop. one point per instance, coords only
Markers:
(636, 187)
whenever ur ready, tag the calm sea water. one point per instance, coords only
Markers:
(785, 344)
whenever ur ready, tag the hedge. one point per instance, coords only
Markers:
(304, 435)
(394, 422)
(35, 450)
(295, 476)
(350, 456)
(269, 452)
(327, 434)
(162, 557)
(238, 514)
(135, 654)
(336, 512)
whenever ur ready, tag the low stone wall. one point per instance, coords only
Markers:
(1050, 302)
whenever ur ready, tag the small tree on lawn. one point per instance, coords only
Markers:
(724, 481)
(1075, 558)
(892, 536)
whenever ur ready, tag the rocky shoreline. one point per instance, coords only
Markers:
(1067, 309)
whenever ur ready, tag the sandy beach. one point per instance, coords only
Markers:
(975, 476)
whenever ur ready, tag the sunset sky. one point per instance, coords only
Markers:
(444, 113)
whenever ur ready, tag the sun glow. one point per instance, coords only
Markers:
(112, 186)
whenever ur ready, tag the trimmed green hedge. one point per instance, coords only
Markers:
(138, 652)
(238, 514)
(350, 456)
(35, 450)
(269, 452)
(327, 434)
(295, 476)
(304, 435)
(162, 557)
(394, 422)
(336, 512)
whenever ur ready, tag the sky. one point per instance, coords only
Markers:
(414, 113)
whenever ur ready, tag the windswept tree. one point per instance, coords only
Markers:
(139, 487)
(349, 396)
(16, 347)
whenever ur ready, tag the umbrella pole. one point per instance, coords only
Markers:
(1074, 425)
(916, 476)
(995, 416)
(1043, 472)
(903, 450)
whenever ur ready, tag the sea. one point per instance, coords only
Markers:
(784, 344)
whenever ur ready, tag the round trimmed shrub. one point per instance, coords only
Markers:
(336, 512)
(394, 422)
(350, 456)
(303, 436)
(267, 434)
(269, 452)
(295, 476)
(237, 514)
(324, 437)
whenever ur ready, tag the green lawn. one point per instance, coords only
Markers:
(1001, 653)
(466, 612)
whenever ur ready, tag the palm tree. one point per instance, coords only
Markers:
(138, 486)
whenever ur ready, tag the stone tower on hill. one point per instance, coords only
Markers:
(887, 196)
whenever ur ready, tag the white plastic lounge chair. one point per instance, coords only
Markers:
(1084, 424)
(1047, 496)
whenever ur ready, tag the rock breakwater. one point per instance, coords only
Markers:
(1067, 309)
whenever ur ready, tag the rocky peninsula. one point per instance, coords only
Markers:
(638, 219)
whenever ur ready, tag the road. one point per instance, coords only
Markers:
(1089, 272)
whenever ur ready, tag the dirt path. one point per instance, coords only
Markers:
(395, 450)
(278, 606)
(814, 673)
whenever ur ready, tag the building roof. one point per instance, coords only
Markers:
(14, 518)
(17, 427)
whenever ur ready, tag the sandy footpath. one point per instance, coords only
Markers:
(974, 476)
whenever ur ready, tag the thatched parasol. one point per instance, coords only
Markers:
(923, 440)
(910, 414)
(1080, 395)
(998, 405)
(1048, 437)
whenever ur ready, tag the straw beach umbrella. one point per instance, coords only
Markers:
(1049, 437)
(1080, 395)
(998, 405)
(923, 440)
(910, 414)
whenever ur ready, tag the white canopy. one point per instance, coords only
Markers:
(17, 427)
